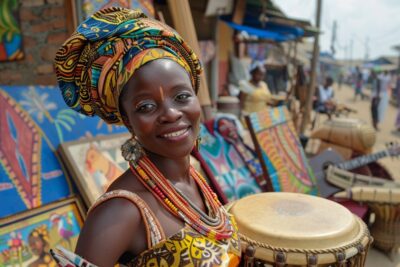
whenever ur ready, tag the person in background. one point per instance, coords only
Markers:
(384, 92)
(358, 84)
(397, 124)
(135, 71)
(254, 94)
(375, 99)
(301, 86)
(325, 98)
(340, 80)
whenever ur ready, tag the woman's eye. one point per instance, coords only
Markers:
(183, 97)
(145, 107)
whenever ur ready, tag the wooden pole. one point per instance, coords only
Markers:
(183, 24)
(311, 90)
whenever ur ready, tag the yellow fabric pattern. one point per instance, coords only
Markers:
(189, 248)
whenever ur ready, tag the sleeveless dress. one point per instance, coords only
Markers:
(185, 248)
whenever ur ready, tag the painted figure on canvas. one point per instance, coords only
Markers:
(38, 241)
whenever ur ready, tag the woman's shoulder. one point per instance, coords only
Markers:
(121, 199)
(109, 228)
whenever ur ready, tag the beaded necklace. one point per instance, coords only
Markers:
(216, 226)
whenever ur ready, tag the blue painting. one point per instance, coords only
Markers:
(33, 122)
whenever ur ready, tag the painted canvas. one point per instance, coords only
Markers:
(280, 151)
(226, 164)
(91, 6)
(25, 239)
(10, 32)
(94, 163)
(33, 122)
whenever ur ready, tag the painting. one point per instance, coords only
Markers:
(10, 32)
(33, 122)
(94, 163)
(279, 149)
(227, 166)
(25, 239)
(91, 6)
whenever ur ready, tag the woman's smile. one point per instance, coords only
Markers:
(176, 134)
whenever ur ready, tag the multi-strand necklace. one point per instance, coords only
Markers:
(216, 225)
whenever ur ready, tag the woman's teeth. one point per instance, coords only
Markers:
(174, 134)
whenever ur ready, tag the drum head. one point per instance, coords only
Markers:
(295, 221)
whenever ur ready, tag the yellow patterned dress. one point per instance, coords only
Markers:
(185, 248)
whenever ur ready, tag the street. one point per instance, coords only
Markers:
(386, 134)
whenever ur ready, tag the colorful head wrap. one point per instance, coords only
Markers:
(95, 63)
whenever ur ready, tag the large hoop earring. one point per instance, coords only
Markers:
(132, 150)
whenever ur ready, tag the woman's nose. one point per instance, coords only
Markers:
(170, 114)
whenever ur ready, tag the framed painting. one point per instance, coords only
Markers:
(10, 31)
(94, 163)
(26, 238)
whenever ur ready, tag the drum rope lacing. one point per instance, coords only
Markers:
(361, 236)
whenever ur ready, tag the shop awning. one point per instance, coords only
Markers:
(271, 31)
(266, 20)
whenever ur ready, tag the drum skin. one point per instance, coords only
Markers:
(351, 133)
(298, 225)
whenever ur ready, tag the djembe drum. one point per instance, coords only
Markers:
(384, 203)
(354, 134)
(291, 229)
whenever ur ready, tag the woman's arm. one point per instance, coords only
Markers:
(108, 232)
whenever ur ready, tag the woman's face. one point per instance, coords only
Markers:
(162, 108)
(36, 244)
(258, 75)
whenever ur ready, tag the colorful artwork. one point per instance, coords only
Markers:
(94, 163)
(281, 152)
(33, 122)
(25, 239)
(91, 6)
(226, 164)
(227, 129)
(10, 33)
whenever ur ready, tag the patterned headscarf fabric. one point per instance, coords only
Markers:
(95, 63)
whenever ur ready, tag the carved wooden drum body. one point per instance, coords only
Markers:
(291, 229)
(351, 133)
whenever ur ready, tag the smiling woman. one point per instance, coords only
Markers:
(132, 70)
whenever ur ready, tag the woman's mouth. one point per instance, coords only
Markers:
(176, 135)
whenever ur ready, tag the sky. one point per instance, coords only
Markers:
(367, 26)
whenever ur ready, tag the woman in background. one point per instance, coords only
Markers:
(254, 94)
